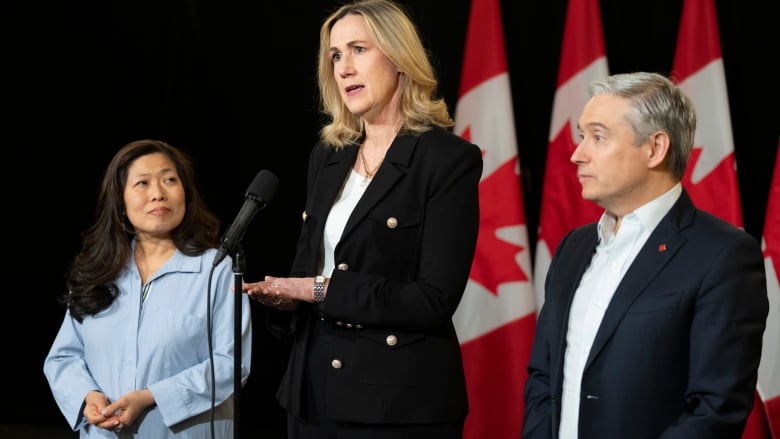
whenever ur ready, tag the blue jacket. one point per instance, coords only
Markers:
(677, 353)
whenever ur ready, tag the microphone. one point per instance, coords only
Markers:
(256, 198)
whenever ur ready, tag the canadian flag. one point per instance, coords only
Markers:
(769, 369)
(583, 60)
(496, 318)
(711, 176)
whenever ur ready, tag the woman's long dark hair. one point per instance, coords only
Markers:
(106, 245)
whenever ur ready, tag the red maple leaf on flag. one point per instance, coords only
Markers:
(709, 193)
(498, 203)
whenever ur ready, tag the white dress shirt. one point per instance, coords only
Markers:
(338, 216)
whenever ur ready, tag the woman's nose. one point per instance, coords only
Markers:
(158, 193)
(345, 67)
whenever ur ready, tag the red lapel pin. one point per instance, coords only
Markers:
(662, 248)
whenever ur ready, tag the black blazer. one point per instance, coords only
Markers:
(402, 266)
(677, 353)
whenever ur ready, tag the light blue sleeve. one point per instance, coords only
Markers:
(189, 392)
(67, 373)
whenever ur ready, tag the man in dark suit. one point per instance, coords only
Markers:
(653, 317)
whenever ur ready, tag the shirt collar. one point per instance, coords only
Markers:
(648, 215)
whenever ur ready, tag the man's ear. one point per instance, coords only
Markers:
(659, 149)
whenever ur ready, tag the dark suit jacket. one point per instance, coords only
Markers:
(402, 266)
(677, 353)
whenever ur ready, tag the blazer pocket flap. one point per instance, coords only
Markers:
(657, 301)
(392, 339)
(395, 216)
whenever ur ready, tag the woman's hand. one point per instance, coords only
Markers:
(95, 403)
(284, 293)
(128, 407)
(122, 412)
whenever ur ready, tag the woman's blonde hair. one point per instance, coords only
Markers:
(397, 38)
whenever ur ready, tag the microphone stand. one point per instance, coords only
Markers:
(239, 264)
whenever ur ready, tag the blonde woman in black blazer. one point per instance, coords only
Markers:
(388, 235)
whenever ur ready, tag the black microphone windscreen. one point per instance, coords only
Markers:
(257, 197)
(263, 187)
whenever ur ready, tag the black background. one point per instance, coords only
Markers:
(233, 83)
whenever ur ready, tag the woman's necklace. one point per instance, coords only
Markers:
(369, 173)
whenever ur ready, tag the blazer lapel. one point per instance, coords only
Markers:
(330, 179)
(395, 166)
(583, 244)
(659, 249)
(323, 191)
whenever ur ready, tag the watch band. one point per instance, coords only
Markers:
(319, 289)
